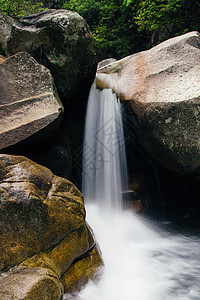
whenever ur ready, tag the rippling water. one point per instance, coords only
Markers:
(142, 260)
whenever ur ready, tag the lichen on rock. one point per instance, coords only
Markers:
(43, 231)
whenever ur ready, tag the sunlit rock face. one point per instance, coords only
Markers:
(28, 102)
(61, 41)
(163, 85)
(44, 234)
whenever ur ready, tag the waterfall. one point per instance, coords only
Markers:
(143, 261)
(104, 158)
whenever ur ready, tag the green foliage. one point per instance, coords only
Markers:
(121, 27)
(89, 10)
(20, 8)
(112, 25)
(154, 15)
(55, 4)
(173, 17)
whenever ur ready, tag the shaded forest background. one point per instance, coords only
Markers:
(121, 27)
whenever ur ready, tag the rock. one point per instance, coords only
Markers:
(61, 41)
(2, 59)
(28, 100)
(105, 62)
(31, 284)
(57, 159)
(5, 28)
(163, 87)
(82, 271)
(61, 257)
(37, 210)
(43, 232)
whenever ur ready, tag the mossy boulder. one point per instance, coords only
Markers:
(43, 232)
(60, 258)
(82, 271)
(61, 41)
(37, 209)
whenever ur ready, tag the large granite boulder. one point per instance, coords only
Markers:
(6, 24)
(42, 221)
(163, 86)
(61, 41)
(28, 100)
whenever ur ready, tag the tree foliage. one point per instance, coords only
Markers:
(121, 27)
(113, 27)
(20, 8)
(167, 18)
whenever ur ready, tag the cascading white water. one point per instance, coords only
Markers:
(104, 158)
(142, 260)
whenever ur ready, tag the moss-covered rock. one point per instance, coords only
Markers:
(82, 271)
(43, 232)
(37, 209)
(61, 257)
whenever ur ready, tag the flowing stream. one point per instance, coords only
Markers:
(143, 261)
